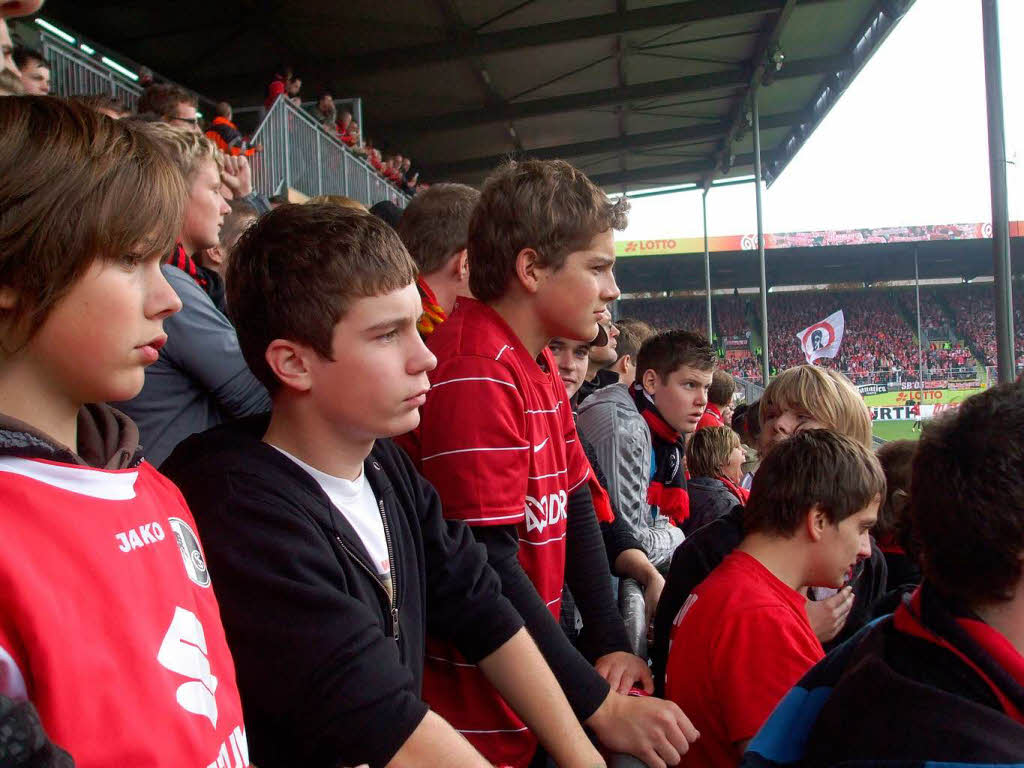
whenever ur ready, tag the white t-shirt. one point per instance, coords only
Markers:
(356, 501)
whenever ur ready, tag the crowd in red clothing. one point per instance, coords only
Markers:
(685, 313)
(974, 318)
(730, 316)
(880, 344)
(393, 166)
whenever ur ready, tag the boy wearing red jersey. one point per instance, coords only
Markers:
(498, 441)
(108, 622)
(742, 639)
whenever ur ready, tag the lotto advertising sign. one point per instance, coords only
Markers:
(827, 237)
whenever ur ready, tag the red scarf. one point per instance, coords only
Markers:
(739, 492)
(432, 315)
(602, 504)
(184, 262)
(991, 648)
(667, 490)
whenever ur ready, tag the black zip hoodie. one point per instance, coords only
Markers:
(330, 671)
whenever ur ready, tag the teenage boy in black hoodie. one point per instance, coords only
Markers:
(332, 557)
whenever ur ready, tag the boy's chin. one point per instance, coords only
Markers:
(400, 425)
(120, 391)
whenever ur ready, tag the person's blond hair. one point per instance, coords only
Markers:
(340, 200)
(708, 451)
(187, 149)
(75, 186)
(823, 393)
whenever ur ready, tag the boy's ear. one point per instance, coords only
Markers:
(458, 267)
(8, 297)
(649, 380)
(816, 523)
(215, 254)
(528, 268)
(289, 361)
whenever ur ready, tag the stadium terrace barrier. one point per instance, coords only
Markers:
(299, 154)
(751, 391)
(72, 73)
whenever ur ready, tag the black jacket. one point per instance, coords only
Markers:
(897, 697)
(328, 672)
(709, 500)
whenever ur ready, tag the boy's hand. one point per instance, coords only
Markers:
(828, 617)
(652, 730)
(237, 175)
(622, 670)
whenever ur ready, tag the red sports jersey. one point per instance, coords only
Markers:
(498, 441)
(739, 643)
(712, 417)
(108, 622)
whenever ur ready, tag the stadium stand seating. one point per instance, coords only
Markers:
(880, 343)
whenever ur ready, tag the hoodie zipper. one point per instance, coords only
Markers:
(391, 568)
(392, 601)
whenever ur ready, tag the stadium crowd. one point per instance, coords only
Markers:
(879, 344)
(314, 485)
(171, 102)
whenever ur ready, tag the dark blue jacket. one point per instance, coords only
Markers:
(890, 697)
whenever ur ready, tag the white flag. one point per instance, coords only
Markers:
(823, 339)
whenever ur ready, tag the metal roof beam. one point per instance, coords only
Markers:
(675, 86)
(690, 133)
(603, 25)
(656, 172)
(767, 41)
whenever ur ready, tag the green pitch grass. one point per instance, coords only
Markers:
(894, 430)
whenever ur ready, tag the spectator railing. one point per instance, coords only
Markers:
(752, 391)
(300, 154)
(72, 73)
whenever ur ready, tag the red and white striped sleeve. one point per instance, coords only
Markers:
(474, 447)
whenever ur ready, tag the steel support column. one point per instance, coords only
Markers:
(997, 181)
(707, 263)
(760, 244)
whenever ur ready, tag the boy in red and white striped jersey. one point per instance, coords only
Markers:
(497, 440)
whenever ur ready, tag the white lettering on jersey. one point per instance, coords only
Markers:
(548, 511)
(183, 651)
(239, 751)
(150, 533)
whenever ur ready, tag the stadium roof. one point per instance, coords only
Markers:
(639, 93)
(860, 257)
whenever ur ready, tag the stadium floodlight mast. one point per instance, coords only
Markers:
(760, 241)
(707, 263)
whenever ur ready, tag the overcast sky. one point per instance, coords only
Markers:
(906, 144)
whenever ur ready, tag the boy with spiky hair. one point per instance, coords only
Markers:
(498, 441)
(742, 638)
(108, 623)
(331, 554)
